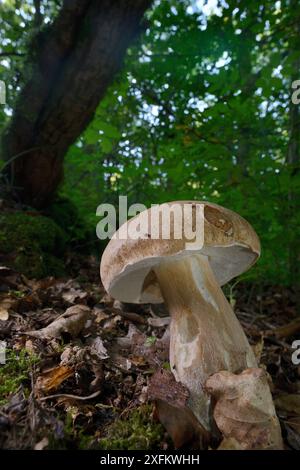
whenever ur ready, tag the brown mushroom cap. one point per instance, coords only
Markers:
(230, 243)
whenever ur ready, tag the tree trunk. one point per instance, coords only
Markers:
(248, 85)
(75, 60)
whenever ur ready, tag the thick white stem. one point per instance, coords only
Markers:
(206, 336)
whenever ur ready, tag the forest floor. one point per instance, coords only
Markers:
(78, 363)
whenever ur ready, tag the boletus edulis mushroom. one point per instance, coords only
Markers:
(205, 334)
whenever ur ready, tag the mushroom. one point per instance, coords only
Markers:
(205, 335)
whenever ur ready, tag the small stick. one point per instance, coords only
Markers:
(74, 397)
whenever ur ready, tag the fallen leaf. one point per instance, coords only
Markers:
(292, 437)
(52, 378)
(244, 408)
(74, 294)
(172, 410)
(29, 346)
(230, 444)
(98, 348)
(97, 383)
(72, 322)
(111, 323)
(42, 444)
(137, 360)
(294, 423)
(131, 316)
(72, 356)
(159, 321)
(107, 299)
(289, 403)
(100, 314)
(29, 302)
(258, 349)
(285, 331)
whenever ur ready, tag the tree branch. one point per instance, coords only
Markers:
(12, 54)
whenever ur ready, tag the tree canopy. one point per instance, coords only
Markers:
(202, 109)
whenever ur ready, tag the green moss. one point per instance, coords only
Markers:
(73, 437)
(65, 213)
(32, 243)
(137, 432)
(14, 372)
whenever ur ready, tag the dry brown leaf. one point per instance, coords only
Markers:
(258, 349)
(72, 322)
(52, 378)
(294, 423)
(74, 294)
(73, 356)
(292, 437)
(42, 444)
(285, 331)
(159, 321)
(171, 406)
(100, 314)
(110, 323)
(107, 299)
(29, 346)
(289, 403)
(97, 383)
(98, 348)
(137, 360)
(230, 444)
(244, 408)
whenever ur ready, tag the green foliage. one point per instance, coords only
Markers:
(15, 372)
(71, 436)
(32, 243)
(201, 110)
(67, 216)
(137, 432)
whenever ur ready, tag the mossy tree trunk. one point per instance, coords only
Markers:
(76, 58)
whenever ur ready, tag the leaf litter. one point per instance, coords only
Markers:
(97, 360)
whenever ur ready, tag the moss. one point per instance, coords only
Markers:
(33, 244)
(72, 436)
(137, 432)
(14, 372)
(65, 213)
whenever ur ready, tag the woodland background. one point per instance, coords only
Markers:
(159, 101)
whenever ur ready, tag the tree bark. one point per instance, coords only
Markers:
(248, 85)
(75, 59)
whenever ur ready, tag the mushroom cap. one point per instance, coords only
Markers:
(127, 265)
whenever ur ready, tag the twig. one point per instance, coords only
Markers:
(285, 331)
(74, 397)
(134, 317)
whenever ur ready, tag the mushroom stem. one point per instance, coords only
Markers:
(206, 336)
